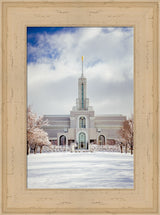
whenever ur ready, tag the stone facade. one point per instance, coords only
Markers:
(82, 126)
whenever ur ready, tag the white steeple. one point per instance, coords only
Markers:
(82, 67)
(82, 101)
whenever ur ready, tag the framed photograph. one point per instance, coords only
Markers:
(80, 108)
(77, 137)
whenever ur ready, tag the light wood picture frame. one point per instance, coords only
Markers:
(16, 15)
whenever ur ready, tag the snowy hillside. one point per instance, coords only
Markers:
(80, 170)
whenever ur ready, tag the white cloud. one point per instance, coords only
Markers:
(108, 58)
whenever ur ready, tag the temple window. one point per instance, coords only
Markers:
(82, 122)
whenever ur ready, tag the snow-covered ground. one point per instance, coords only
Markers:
(80, 170)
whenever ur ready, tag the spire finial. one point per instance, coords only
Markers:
(82, 66)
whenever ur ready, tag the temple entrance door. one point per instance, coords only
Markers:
(62, 140)
(82, 140)
(101, 140)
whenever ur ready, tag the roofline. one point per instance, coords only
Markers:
(109, 115)
(56, 115)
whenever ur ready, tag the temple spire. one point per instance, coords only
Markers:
(82, 66)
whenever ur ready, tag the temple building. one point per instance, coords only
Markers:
(82, 126)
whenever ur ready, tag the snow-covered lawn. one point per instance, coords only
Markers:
(80, 170)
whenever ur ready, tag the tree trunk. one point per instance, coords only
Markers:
(121, 148)
(28, 148)
(35, 149)
(126, 148)
(131, 149)
(41, 149)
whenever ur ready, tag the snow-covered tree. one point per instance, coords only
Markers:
(126, 134)
(36, 136)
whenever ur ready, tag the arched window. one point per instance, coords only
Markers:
(82, 122)
(82, 140)
(101, 140)
(62, 140)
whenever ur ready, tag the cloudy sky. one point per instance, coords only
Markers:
(54, 66)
